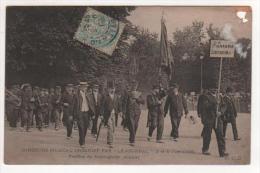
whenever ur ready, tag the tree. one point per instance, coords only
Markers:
(194, 41)
(187, 48)
(40, 45)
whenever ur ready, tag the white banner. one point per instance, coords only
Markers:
(222, 49)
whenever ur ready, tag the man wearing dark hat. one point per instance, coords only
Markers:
(124, 100)
(82, 107)
(111, 107)
(133, 111)
(27, 107)
(177, 104)
(155, 114)
(96, 98)
(57, 107)
(230, 113)
(207, 111)
(67, 103)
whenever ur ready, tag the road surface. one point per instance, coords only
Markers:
(52, 147)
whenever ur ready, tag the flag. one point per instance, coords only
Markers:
(166, 57)
(99, 31)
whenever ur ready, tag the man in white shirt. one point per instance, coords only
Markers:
(81, 111)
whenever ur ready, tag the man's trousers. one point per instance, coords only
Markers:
(83, 122)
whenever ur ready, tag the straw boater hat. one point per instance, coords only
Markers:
(83, 83)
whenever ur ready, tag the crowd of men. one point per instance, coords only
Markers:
(81, 106)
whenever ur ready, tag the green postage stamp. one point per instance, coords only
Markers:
(99, 31)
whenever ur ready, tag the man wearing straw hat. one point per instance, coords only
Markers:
(81, 111)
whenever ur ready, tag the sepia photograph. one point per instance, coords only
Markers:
(128, 85)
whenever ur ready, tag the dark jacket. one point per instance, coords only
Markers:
(207, 109)
(154, 110)
(228, 108)
(97, 104)
(109, 105)
(56, 102)
(28, 101)
(77, 103)
(177, 104)
(43, 103)
(67, 102)
(133, 105)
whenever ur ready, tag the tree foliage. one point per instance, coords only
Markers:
(40, 45)
(193, 43)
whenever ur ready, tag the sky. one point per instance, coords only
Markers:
(178, 17)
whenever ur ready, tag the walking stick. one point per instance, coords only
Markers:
(99, 128)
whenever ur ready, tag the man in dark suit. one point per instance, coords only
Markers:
(67, 103)
(57, 107)
(133, 111)
(124, 100)
(230, 113)
(111, 107)
(36, 111)
(207, 111)
(96, 98)
(82, 107)
(42, 101)
(155, 113)
(13, 102)
(177, 104)
(27, 107)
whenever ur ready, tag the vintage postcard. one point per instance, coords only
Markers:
(128, 85)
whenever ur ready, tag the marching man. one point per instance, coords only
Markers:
(133, 111)
(155, 113)
(177, 104)
(111, 107)
(67, 102)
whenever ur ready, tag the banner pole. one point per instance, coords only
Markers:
(218, 92)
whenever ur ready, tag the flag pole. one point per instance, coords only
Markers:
(218, 92)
